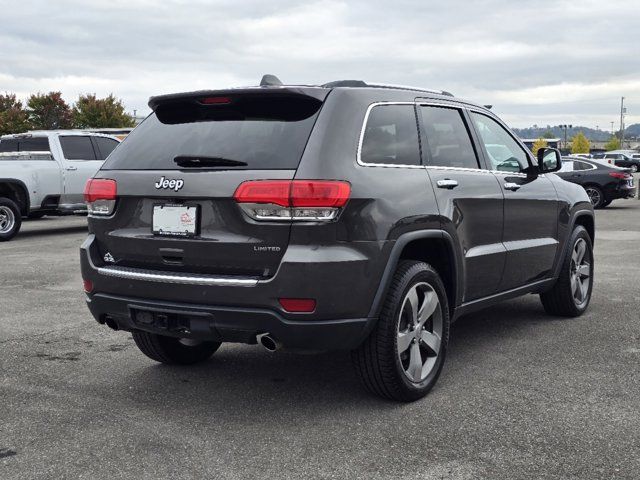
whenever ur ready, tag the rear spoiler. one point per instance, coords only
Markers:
(317, 93)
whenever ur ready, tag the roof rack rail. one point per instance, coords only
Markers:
(360, 83)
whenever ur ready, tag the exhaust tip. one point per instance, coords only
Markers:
(268, 342)
(111, 323)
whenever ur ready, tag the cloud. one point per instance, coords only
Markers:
(559, 59)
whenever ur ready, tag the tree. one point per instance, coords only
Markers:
(13, 118)
(580, 143)
(538, 144)
(548, 134)
(49, 111)
(92, 112)
(612, 144)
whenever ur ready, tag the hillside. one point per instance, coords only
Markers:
(591, 133)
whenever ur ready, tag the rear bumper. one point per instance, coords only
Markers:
(339, 278)
(225, 324)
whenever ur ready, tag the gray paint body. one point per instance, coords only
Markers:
(500, 243)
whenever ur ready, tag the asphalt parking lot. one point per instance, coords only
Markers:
(522, 395)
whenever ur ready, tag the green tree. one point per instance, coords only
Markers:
(13, 118)
(612, 144)
(92, 112)
(538, 144)
(548, 134)
(580, 143)
(49, 111)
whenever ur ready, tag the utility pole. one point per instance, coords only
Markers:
(622, 111)
(612, 128)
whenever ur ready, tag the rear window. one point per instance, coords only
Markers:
(268, 132)
(105, 146)
(33, 144)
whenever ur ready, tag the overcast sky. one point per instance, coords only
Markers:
(537, 62)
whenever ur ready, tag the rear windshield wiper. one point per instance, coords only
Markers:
(202, 161)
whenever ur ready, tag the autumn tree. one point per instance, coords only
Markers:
(538, 144)
(92, 112)
(13, 118)
(580, 143)
(49, 111)
(612, 144)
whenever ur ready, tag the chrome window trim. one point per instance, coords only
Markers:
(361, 139)
(457, 169)
(174, 277)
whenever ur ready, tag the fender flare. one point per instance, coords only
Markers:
(392, 263)
(20, 184)
(570, 226)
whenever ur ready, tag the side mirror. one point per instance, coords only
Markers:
(549, 160)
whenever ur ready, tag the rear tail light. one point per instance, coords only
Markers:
(621, 176)
(87, 285)
(297, 305)
(302, 200)
(100, 195)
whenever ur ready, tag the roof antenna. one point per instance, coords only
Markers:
(269, 80)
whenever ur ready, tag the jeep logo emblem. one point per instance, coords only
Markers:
(171, 184)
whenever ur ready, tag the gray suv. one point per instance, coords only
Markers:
(346, 216)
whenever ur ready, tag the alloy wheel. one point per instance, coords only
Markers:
(580, 272)
(594, 196)
(7, 219)
(419, 333)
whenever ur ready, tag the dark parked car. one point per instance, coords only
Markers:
(344, 216)
(602, 183)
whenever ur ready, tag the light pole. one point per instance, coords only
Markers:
(564, 129)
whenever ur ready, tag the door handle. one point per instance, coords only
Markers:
(511, 186)
(447, 183)
(71, 169)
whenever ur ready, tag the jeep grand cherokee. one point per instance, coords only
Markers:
(343, 216)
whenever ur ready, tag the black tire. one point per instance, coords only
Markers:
(10, 219)
(378, 362)
(172, 351)
(595, 195)
(560, 299)
(606, 203)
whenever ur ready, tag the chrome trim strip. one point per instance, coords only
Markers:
(173, 277)
(457, 169)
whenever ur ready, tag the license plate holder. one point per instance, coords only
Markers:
(175, 220)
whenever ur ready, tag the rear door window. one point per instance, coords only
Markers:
(104, 146)
(267, 132)
(391, 136)
(447, 138)
(77, 148)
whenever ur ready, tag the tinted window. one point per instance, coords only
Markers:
(582, 166)
(503, 152)
(391, 136)
(105, 146)
(251, 132)
(34, 144)
(447, 138)
(77, 148)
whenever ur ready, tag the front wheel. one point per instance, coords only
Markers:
(404, 354)
(634, 168)
(173, 351)
(571, 294)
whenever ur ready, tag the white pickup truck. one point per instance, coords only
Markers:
(44, 173)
